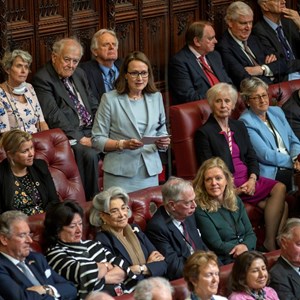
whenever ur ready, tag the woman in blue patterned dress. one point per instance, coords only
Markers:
(19, 105)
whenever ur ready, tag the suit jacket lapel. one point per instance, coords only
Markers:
(176, 233)
(35, 269)
(195, 65)
(81, 90)
(60, 88)
(280, 130)
(125, 105)
(260, 124)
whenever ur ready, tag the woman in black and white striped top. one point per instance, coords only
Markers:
(86, 263)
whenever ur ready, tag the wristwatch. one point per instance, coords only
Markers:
(48, 289)
(142, 269)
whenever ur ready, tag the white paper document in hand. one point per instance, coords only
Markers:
(146, 140)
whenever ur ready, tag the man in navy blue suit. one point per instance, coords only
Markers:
(243, 54)
(103, 69)
(279, 30)
(172, 228)
(285, 273)
(25, 274)
(196, 67)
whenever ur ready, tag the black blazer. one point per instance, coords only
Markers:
(268, 37)
(235, 60)
(169, 241)
(41, 176)
(187, 81)
(285, 280)
(95, 77)
(59, 111)
(14, 284)
(291, 110)
(111, 242)
(209, 142)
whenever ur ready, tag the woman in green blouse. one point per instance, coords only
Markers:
(220, 214)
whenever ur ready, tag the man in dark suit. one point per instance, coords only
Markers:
(196, 67)
(69, 104)
(285, 273)
(103, 69)
(172, 228)
(277, 18)
(25, 274)
(242, 53)
(291, 109)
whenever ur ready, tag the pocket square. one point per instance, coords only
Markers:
(48, 273)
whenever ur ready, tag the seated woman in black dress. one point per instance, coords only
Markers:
(110, 214)
(25, 182)
(229, 139)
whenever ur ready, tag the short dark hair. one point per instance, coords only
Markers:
(59, 215)
(196, 29)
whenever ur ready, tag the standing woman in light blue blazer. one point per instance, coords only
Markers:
(272, 137)
(125, 115)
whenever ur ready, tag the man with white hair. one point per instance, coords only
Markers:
(243, 54)
(285, 273)
(103, 69)
(153, 288)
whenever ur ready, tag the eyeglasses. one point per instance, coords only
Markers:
(259, 97)
(188, 203)
(136, 74)
(68, 60)
(115, 212)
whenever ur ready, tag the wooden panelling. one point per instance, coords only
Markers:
(156, 27)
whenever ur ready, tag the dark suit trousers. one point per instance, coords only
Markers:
(87, 161)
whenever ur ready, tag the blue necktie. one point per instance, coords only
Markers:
(286, 47)
(27, 273)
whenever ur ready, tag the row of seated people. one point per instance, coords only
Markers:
(68, 254)
(70, 104)
(55, 151)
(60, 97)
(269, 51)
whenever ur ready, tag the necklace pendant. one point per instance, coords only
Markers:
(17, 183)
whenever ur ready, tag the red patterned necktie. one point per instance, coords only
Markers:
(187, 236)
(212, 78)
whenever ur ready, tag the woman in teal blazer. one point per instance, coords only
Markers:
(220, 214)
(126, 115)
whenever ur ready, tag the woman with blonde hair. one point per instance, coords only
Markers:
(220, 214)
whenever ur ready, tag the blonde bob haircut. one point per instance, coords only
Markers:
(203, 199)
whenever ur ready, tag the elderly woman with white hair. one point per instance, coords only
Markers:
(110, 213)
(228, 138)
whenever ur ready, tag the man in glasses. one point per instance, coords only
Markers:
(25, 274)
(69, 104)
(172, 228)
